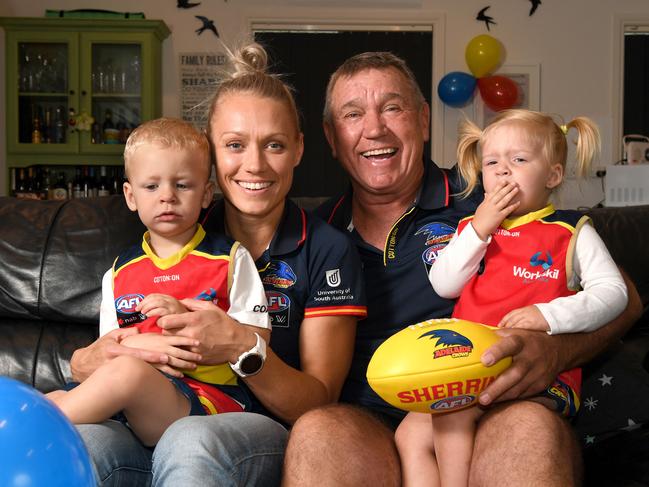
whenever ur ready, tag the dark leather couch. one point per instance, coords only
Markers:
(53, 255)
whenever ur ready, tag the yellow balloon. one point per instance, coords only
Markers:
(483, 55)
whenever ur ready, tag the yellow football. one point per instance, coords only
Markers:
(434, 366)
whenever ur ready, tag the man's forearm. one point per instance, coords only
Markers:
(576, 349)
(80, 366)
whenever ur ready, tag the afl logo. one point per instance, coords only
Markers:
(277, 301)
(450, 403)
(430, 254)
(126, 304)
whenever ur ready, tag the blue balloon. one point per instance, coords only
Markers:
(456, 88)
(39, 445)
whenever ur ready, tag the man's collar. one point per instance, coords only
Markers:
(435, 190)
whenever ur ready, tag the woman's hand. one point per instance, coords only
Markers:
(86, 360)
(174, 347)
(326, 349)
(220, 338)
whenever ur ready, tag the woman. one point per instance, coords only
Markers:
(311, 274)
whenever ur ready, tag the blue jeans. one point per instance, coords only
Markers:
(229, 449)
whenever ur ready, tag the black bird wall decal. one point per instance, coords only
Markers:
(207, 25)
(483, 17)
(535, 5)
(187, 4)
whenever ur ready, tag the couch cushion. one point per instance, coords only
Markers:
(38, 352)
(615, 392)
(24, 229)
(624, 230)
(54, 253)
(85, 239)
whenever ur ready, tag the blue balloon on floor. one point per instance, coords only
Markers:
(39, 445)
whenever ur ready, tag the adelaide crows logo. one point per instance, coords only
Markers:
(279, 274)
(436, 233)
(451, 343)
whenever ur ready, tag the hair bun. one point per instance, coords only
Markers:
(249, 59)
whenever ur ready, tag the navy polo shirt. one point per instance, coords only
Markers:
(397, 286)
(309, 270)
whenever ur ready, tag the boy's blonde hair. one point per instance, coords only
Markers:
(542, 131)
(167, 133)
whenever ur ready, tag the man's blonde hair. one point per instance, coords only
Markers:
(380, 60)
(167, 133)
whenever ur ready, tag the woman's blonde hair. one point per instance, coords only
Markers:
(248, 73)
(542, 131)
(168, 133)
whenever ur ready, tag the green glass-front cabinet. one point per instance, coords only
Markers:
(61, 71)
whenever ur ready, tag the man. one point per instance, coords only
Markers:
(400, 213)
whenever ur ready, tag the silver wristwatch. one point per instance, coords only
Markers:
(251, 362)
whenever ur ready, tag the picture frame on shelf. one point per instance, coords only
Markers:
(528, 79)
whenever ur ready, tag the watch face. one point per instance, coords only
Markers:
(251, 364)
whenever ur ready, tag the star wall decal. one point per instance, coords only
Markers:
(591, 403)
(606, 380)
(590, 439)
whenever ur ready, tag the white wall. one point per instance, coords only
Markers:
(572, 41)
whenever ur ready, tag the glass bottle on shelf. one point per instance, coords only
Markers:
(12, 181)
(111, 77)
(110, 133)
(32, 184)
(99, 84)
(21, 184)
(48, 76)
(135, 73)
(26, 73)
(122, 82)
(44, 188)
(95, 134)
(60, 190)
(60, 74)
(59, 125)
(36, 130)
(77, 184)
(118, 180)
(103, 186)
(89, 182)
(122, 128)
(48, 132)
